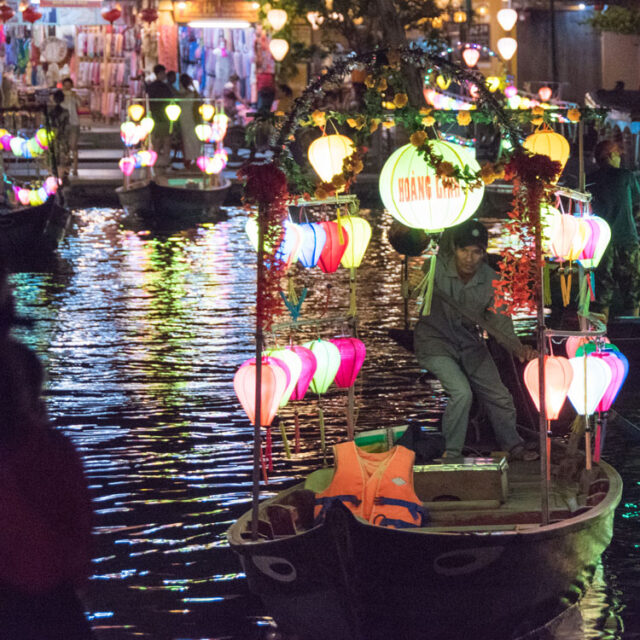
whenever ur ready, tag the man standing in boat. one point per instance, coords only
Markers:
(616, 198)
(159, 97)
(449, 340)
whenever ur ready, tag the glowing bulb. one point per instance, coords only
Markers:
(507, 18)
(471, 56)
(277, 18)
(136, 111)
(279, 48)
(207, 111)
(545, 93)
(507, 48)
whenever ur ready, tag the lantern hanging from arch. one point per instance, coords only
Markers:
(619, 366)
(112, 15)
(289, 245)
(591, 377)
(588, 348)
(31, 15)
(352, 355)
(136, 111)
(545, 93)
(333, 249)
(146, 125)
(563, 229)
(558, 375)
(328, 362)
(294, 363)
(277, 18)
(272, 386)
(507, 18)
(327, 155)
(127, 165)
(507, 47)
(309, 365)
(279, 48)
(6, 13)
(314, 238)
(598, 243)
(415, 196)
(207, 111)
(580, 239)
(573, 343)
(471, 56)
(359, 232)
(173, 111)
(549, 143)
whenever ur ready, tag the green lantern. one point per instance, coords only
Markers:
(415, 196)
(328, 359)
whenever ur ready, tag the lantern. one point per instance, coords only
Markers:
(352, 355)
(173, 111)
(415, 196)
(510, 91)
(277, 18)
(146, 125)
(112, 15)
(573, 343)
(272, 386)
(507, 18)
(315, 19)
(129, 133)
(580, 239)
(549, 143)
(558, 374)
(289, 246)
(587, 348)
(51, 185)
(44, 137)
(563, 231)
(207, 111)
(219, 127)
(127, 165)
(314, 238)
(203, 132)
(591, 377)
(328, 362)
(443, 82)
(31, 15)
(16, 145)
(136, 111)
(493, 83)
(149, 15)
(308, 370)
(279, 48)
(507, 48)
(6, 13)
(545, 93)
(292, 360)
(598, 243)
(327, 155)
(619, 366)
(359, 232)
(333, 249)
(471, 56)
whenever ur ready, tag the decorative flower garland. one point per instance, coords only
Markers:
(265, 186)
(521, 266)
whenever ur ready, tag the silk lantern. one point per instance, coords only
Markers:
(549, 143)
(619, 366)
(31, 15)
(219, 126)
(6, 13)
(545, 93)
(591, 377)
(279, 48)
(416, 197)
(289, 245)
(507, 18)
(314, 238)
(309, 366)
(507, 48)
(588, 348)
(277, 18)
(580, 239)
(359, 232)
(471, 56)
(272, 387)
(173, 112)
(327, 155)
(146, 125)
(333, 250)
(127, 165)
(112, 15)
(328, 362)
(136, 111)
(207, 111)
(595, 248)
(558, 374)
(292, 360)
(203, 132)
(563, 230)
(352, 355)
(149, 15)
(573, 343)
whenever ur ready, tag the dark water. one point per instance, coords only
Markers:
(141, 335)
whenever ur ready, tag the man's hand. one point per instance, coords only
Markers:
(526, 353)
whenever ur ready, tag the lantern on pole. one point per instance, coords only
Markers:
(558, 374)
(173, 112)
(359, 232)
(415, 195)
(327, 155)
(598, 243)
(308, 370)
(549, 143)
(314, 238)
(334, 247)
(507, 48)
(136, 111)
(591, 377)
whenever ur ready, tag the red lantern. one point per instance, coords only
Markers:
(558, 374)
(112, 15)
(273, 385)
(309, 366)
(333, 249)
(31, 15)
(352, 354)
(6, 13)
(149, 15)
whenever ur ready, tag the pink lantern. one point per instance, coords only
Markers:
(598, 242)
(619, 368)
(558, 375)
(575, 342)
(309, 366)
(127, 165)
(564, 229)
(273, 385)
(352, 355)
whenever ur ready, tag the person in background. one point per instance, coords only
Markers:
(172, 76)
(189, 116)
(45, 509)
(616, 198)
(159, 97)
(450, 344)
(59, 119)
(70, 103)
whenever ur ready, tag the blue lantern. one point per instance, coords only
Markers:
(314, 238)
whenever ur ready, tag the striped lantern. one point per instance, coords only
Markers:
(308, 370)
(352, 355)
(333, 249)
(591, 378)
(558, 375)
(314, 238)
(328, 362)
(359, 232)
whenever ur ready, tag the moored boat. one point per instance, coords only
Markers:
(181, 198)
(135, 198)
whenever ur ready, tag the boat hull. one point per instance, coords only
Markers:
(346, 579)
(136, 199)
(33, 231)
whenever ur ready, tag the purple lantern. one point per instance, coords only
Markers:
(309, 365)
(352, 354)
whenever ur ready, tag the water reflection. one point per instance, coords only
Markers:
(141, 335)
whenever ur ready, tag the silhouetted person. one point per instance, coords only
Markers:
(160, 96)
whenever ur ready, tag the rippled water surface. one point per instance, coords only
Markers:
(141, 335)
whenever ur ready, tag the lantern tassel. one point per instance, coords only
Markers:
(323, 444)
(291, 291)
(592, 285)
(428, 287)
(353, 311)
(596, 447)
(285, 440)
(546, 284)
(584, 298)
(297, 431)
(339, 221)
(263, 464)
(269, 449)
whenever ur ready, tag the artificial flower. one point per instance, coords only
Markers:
(574, 115)
(428, 121)
(400, 100)
(319, 118)
(464, 118)
(417, 138)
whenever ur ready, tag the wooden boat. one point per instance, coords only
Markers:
(483, 567)
(30, 231)
(174, 200)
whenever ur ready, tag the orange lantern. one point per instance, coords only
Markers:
(549, 143)
(558, 374)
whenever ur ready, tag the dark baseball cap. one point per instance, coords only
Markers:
(470, 233)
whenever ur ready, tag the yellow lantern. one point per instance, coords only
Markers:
(359, 232)
(173, 111)
(207, 111)
(460, 16)
(443, 82)
(279, 49)
(327, 154)
(277, 18)
(549, 143)
(493, 83)
(136, 111)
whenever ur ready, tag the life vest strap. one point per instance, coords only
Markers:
(326, 502)
(416, 510)
(382, 521)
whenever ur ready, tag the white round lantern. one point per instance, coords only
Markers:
(414, 195)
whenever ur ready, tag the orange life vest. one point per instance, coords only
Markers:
(375, 486)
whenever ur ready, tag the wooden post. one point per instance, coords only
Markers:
(257, 436)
